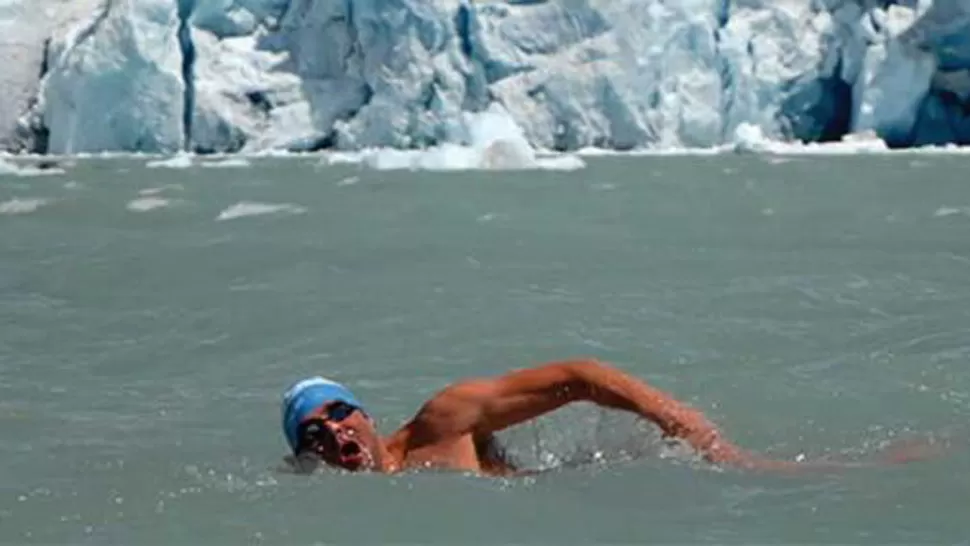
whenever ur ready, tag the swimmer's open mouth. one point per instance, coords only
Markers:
(350, 450)
(351, 456)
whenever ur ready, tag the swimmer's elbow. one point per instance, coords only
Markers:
(589, 376)
(598, 382)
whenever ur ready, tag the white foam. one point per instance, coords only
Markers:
(229, 163)
(447, 157)
(493, 142)
(21, 206)
(947, 149)
(750, 139)
(950, 211)
(146, 204)
(660, 151)
(274, 153)
(599, 152)
(510, 153)
(180, 161)
(249, 208)
(9, 168)
(778, 160)
(160, 189)
(341, 158)
(561, 163)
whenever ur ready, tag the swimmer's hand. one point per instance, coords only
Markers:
(915, 449)
(906, 451)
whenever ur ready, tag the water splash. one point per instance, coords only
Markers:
(492, 141)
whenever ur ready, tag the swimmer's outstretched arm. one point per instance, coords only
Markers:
(483, 406)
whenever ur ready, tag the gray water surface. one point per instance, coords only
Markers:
(809, 305)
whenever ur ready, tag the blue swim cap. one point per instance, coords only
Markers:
(307, 395)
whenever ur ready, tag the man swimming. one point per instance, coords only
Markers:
(454, 430)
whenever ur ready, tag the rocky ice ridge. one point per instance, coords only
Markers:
(257, 75)
(25, 27)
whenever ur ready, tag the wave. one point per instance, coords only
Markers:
(145, 204)
(248, 208)
(21, 206)
(43, 169)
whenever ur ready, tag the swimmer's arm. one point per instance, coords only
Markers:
(483, 406)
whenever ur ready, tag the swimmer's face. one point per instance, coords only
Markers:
(342, 436)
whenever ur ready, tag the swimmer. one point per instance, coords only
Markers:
(324, 421)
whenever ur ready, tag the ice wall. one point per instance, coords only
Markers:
(252, 75)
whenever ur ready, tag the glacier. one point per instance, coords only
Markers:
(250, 76)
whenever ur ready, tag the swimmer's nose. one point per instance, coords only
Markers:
(342, 433)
